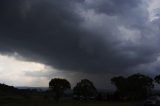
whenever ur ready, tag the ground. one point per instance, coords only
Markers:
(71, 103)
(42, 100)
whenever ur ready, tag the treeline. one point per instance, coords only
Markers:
(133, 87)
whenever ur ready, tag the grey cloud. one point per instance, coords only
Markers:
(58, 34)
(113, 7)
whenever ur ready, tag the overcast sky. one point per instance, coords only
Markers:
(76, 39)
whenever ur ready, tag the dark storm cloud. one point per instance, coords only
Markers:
(83, 35)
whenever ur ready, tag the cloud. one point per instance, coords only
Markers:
(113, 7)
(92, 36)
(13, 72)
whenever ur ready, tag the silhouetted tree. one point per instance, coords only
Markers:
(157, 79)
(58, 86)
(121, 85)
(136, 86)
(85, 89)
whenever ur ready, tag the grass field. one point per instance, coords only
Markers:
(38, 100)
(51, 103)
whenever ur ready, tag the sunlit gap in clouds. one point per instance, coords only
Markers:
(18, 72)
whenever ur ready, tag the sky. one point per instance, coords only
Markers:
(76, 39)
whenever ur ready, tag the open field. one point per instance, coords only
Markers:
(51, 103)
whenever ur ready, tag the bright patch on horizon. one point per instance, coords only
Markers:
(13, 72)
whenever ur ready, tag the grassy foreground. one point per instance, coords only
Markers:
(51, 103)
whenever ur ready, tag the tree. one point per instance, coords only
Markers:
(121, 85)
(85, 88)
(136, 86)
(157, 79)
(58, 86)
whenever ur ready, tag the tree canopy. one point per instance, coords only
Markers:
(157, 79)
(136, 86)
(58, 86)
(85, 88)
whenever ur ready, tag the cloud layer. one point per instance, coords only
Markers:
(92, 36)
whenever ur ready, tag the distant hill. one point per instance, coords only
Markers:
(6, 89)
(32, 88)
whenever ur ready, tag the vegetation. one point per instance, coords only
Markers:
(157, 79)
(134, 87)
(85, 89)
(131, 88)
(58, 86)
(6, 88)
(51, 103)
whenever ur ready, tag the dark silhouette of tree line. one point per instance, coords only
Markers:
(133, 87)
